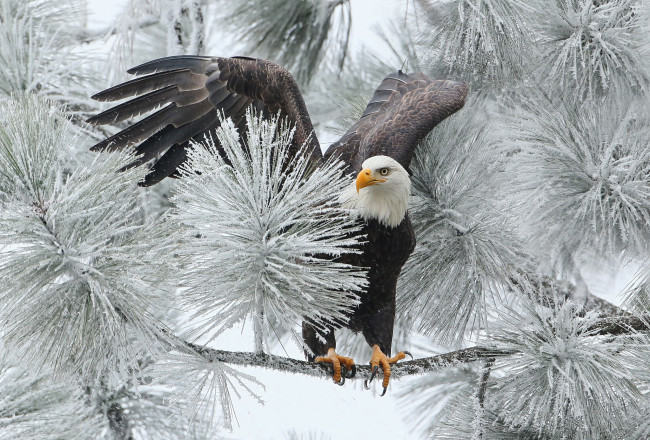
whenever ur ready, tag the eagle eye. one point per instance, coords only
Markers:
(384, 171)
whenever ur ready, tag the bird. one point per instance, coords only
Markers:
(184, 96)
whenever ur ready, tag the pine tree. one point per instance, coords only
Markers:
(113, 297)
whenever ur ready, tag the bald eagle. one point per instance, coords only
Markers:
(189, 92)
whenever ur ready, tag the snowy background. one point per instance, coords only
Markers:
(294, 403)
(512, 186)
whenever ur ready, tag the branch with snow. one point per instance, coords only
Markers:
(547, 291)
(568, 369)
(290, 365)
(613, 326)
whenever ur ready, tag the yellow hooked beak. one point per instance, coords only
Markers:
(365, 178)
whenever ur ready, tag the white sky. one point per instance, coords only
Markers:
(295, 403)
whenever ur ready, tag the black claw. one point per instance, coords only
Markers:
(382, 394)
(372, 376)
(341, 382)
(408, 353)
(374, 372)
(353, 372)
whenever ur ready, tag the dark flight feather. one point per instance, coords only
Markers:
(139, 131)
(183, 79)
(136, 106)
(167, 164)
(193, 90)
(196, 64)
(401, 112)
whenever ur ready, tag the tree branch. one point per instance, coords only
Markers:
(621, 325)
(479, 422)
(289, 365)
(609, 326)
(549, 289)
(482, 385)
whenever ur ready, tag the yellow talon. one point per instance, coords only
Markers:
(378, 359)
(337, 361)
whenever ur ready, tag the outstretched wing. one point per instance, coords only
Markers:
(402, 111)
(184, 96)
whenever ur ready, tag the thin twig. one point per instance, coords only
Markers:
(550, 289)
(482, 385)
(87, 36)
(479, 425)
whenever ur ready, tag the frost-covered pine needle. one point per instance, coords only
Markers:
(301, 35)
(34, 37)
(487, 41)
(636, 296)
(593, 47)
(423, 398)
(264, 228)
(204, 388)
(584, 176)
(457, 422)
(564, 379)
(32, 406)
(466, 249)
(81, 278)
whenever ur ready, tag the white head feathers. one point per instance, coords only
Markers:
(381, 191)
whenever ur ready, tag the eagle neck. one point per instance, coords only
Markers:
(387, 205)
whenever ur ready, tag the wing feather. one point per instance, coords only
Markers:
(192, 91)
(139, 131)
(170, 135)
(167, 164)
(401, 112)
(136, 106)
(196, 64)
(184, 79)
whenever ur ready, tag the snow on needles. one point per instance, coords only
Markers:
(564, 379)
(74, 297)
(264, 228)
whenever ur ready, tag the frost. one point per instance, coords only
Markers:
(466, 251)
(32, 406)
(264, 229)
(34, 37)
(565, 378)
(594, 47)
(74, 298)
(583, 176)
(483, 40)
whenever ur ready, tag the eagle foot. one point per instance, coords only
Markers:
(338, 363)
(380, 359)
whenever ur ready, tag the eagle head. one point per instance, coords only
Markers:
(381, 191)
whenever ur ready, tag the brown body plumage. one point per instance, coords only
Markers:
(192, 90)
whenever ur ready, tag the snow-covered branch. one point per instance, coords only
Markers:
(289, 365)
(614, 326)
(550, 290)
